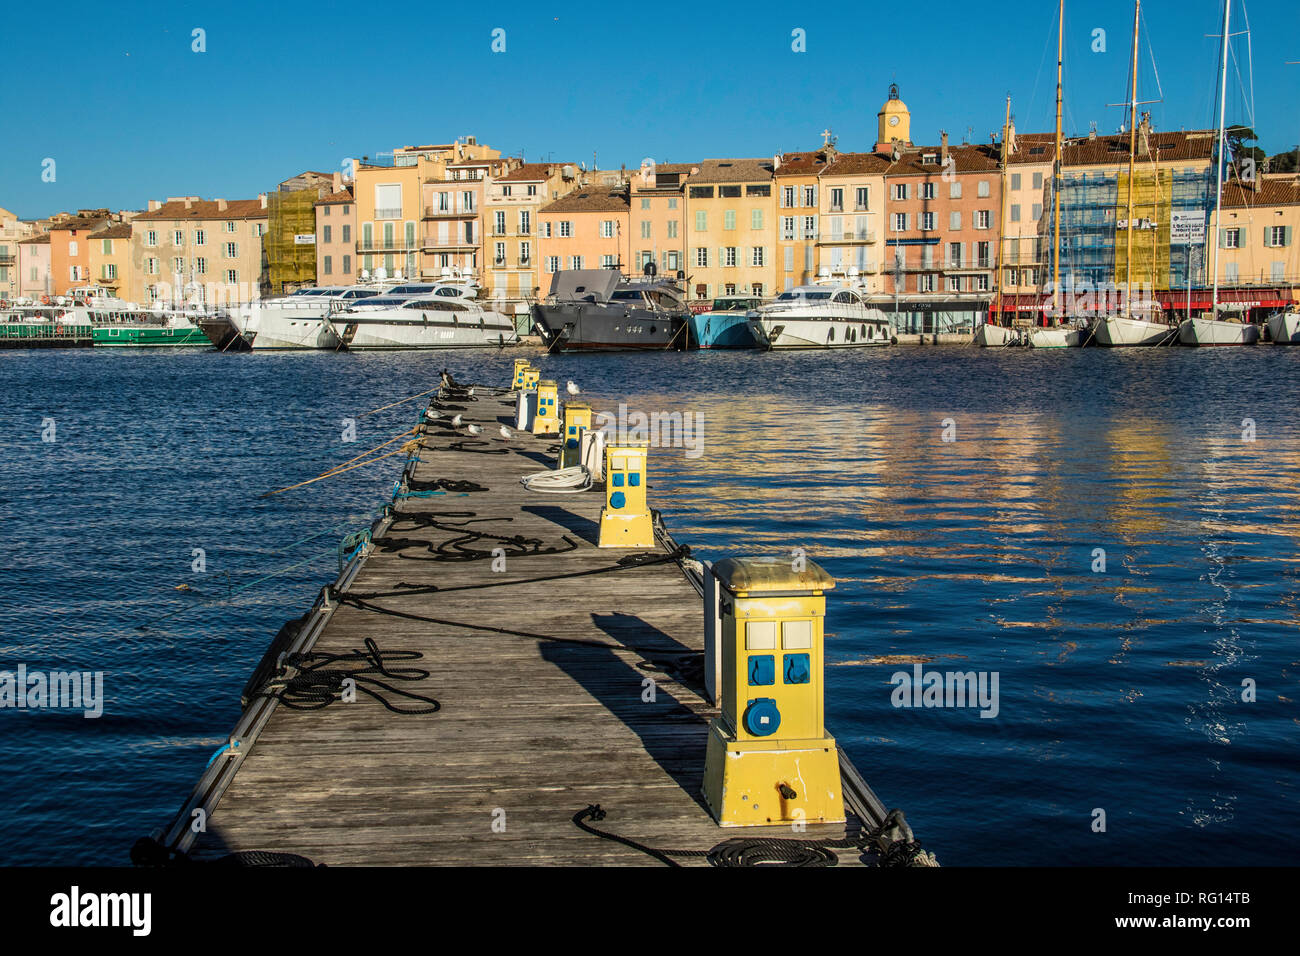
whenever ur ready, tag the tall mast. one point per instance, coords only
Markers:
(1002, 211)
(1132, 149)
(1056, 170)
(1218, 164)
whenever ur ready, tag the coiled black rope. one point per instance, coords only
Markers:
(458, 548)
(443, 484)
(319, 679)
(770, 851)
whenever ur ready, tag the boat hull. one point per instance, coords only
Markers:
(223, 334)
(1122, 332)
(144, 337)
(722, 330)
(270, 328)
(362, 336)
(792, 332)
(1062, 337)
(1284, 328)
(572, 327)
(989, 336)
(1216, 332)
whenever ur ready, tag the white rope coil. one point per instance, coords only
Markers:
(563, 481)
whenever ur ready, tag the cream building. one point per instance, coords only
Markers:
(192, 249)
(510, 216)
(12, 231)
(852, 218)
(1257, 241)
(34, 279)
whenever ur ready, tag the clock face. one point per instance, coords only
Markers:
(893, 121)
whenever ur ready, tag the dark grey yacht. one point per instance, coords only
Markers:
(598, 310)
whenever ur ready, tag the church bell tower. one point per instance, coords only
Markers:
(893, 122)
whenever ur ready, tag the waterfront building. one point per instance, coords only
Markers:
(510, 214)
(187, 249)
(12, 231)
(658, 206)
(336, 225)
(1027, 218)
(731, 224)
(34, 278)
(795, 180)
(851, 237)
(587, 229)
(1259, 258)
(941, 226)
(290, 239)
(109, 254)
(70, 248)
(420, 211)
(1173, 178)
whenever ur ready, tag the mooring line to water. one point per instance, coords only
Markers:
(409, 447)
(400, 401)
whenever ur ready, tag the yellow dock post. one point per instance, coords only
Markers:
(625, 519)
(769, 760)
(577, 416)
(517, 380)
(547, 419)
(531, 376)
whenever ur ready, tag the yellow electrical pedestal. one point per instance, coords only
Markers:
(547, 419)
(517, 382)
(769, 760)
(625, 519)
(531, 376)
(577, 416)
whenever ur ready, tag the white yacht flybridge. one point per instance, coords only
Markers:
(832, 313)
(443, 314)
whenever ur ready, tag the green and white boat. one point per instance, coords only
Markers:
(138, 328)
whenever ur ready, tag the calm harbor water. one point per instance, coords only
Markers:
(1119, 690)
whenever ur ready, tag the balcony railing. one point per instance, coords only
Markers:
(386, 245)
(434, 212)
(394, 213)
(837, 207)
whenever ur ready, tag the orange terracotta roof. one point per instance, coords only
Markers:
(965, 159)
(802, 164)
(117, 230)
(342, 196)
(591, 199)
(1282, 191)
(532, 172)
(731, 171)
(78, 223)
(43, 237)
(207, 209)
(1113, 149)
(856, 163)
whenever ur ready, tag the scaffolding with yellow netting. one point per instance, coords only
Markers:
(1152, 214)
(290, 254)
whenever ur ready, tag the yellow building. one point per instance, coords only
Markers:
(1257, 241)
(109, 249)
(422, 211)
(731, 224)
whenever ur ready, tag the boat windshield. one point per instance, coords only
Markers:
(802, 296)
(734, 305)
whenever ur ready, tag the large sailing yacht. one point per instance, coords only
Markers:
(1210, 328)
(1140, 326)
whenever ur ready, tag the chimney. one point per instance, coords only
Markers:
(1144, 134)
(221, 205)
(262, 197)
(943, 148)
(776, 162)
(189, 203)
(155, 204)
(338, 182)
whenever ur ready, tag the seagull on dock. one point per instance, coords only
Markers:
(455, 422)
(474, 429)
(505, 433)
(572, 389)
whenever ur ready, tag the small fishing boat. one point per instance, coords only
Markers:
(599, 310)
(1208, 329)
(725, 325)
(1057, 337)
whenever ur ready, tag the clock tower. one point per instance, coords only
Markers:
(893, 122)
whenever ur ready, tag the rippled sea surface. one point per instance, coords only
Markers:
(1120, 688)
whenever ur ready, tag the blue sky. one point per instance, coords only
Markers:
(129, 112)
